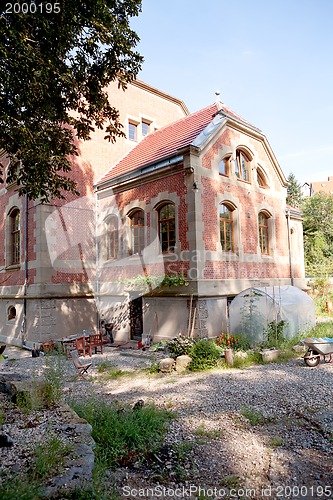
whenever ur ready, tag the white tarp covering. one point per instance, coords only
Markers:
(253, 309)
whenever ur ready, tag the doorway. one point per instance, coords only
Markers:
(136, 319)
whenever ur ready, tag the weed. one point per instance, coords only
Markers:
(122, 435)
(23, 489)
(255, 417)
(105, 365)
(2, 417)
(202, 431)
(153, 368)
(276, 441)
(48, 456)
(232, 481)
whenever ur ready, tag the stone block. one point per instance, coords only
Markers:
(166, 365)
(182, 363)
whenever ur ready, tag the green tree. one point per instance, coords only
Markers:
(55, 63)
(318, 234)
(294, 192)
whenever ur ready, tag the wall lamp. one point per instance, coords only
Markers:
(195, 187)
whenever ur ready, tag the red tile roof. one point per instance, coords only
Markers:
(168, 140)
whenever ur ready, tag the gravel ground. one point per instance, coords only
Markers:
(260, 432)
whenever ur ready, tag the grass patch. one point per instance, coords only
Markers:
(255, 417)
(109, 371)
(22, 489)
(123, 435)
(203, 432)
(49, 456)
(276, 441)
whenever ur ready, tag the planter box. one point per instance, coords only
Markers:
(269, 355)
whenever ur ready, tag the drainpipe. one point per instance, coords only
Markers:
(97, 298)
(25, 256)
(289, 248)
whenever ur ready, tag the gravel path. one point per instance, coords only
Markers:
(260, 432)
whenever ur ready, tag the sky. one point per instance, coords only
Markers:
(271, 61)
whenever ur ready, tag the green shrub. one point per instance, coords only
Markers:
(180, 345)
(273, 334)
(205, 354)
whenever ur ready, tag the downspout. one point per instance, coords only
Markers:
(97, 301)
(289, 248)
(25, 285)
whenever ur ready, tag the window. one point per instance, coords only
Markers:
(144, 128)
(15, 236)
(242, 166)
(226, 228)
(224, 166)
(11, 313)
(132, 131)
(112, 237)
(261, 178)
(167, 227)
(137, 232)
(263, 233)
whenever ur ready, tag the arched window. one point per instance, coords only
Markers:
(261, 178)
(112, 237)
(167, 227)
(137, 223)
(224, 166)
(243, 166)
(263, 233)
(15, 237)
(226, 227)
(11, 312)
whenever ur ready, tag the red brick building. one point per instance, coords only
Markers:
(200, 203)
(47, 257)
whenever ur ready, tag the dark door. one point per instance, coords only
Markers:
(136, 320)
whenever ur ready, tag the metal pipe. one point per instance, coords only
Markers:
(25, 256)
(289, 248)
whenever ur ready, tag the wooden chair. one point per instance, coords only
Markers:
(48, 347)
(96, 343)
(82, 345)
(80, 367)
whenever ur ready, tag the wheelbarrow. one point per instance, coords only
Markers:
(318, 349)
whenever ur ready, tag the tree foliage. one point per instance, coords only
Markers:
(54, 68)
(294, 192)
(318, 234)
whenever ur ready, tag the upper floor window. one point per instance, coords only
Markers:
(242, 166)
(261, 178)
(137, 231)
(145, 126)
(132, 131)
(167, 227)
(226, 228)
(263, 233)
(112, 237)
(224, 166)
(15, 236)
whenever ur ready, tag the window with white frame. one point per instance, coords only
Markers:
(263, 233)
(226, 227)
(167, 227)
(243, 166)
(112, 237)
(14, 220)
(137, 222)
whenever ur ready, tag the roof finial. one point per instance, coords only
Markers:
(218, 101)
